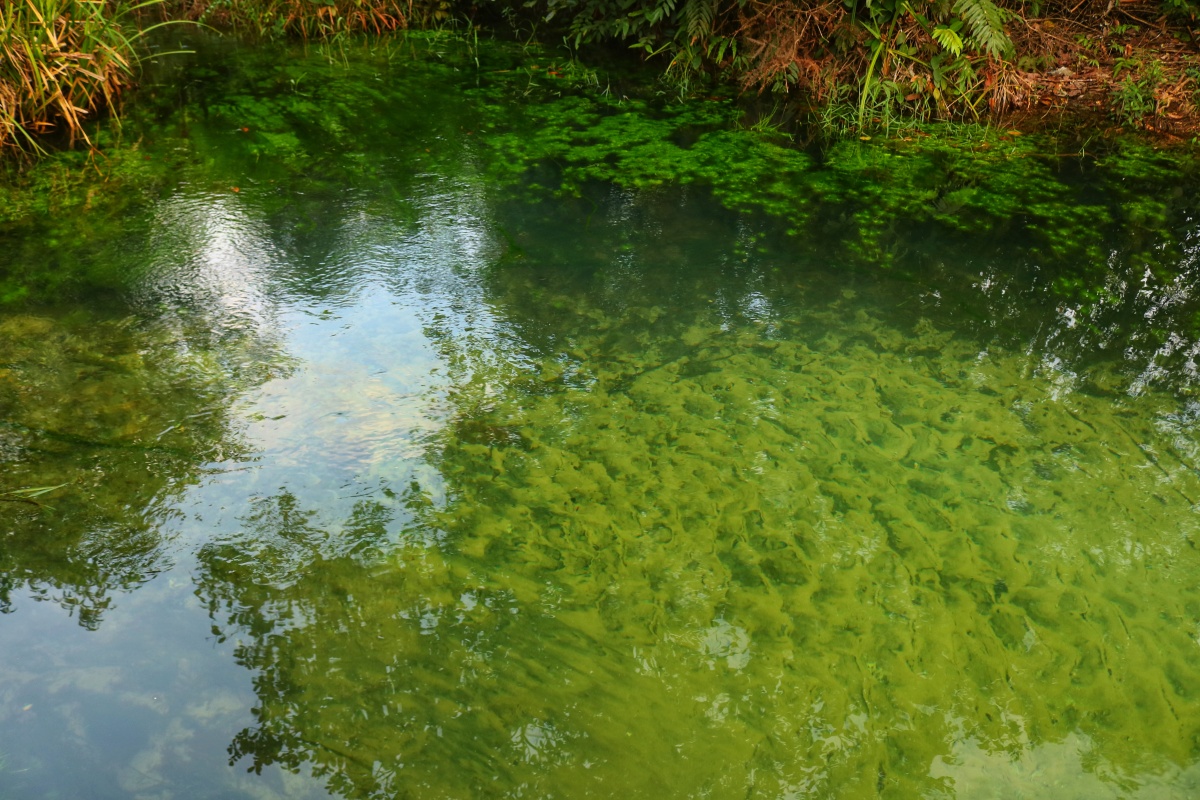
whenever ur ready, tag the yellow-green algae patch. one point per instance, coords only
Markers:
(806, 551)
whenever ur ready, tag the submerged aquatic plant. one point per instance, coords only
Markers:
(29, 494)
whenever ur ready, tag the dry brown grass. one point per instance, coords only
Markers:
(61, 62)
(788, 43)
(1080, 55)
(307, 19)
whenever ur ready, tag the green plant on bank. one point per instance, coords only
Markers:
(1135, 97)
(1186, 11)
(1088, 54)
(62, 62)
(921, 57)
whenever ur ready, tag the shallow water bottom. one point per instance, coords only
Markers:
(790, 541)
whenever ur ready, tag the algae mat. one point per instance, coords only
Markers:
(678, 523)
(795, 555)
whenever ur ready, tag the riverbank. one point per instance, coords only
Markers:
(1105, 69)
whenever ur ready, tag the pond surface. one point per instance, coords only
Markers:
(404, 446)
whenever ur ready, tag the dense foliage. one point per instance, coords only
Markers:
(867, 61)
(858, 64)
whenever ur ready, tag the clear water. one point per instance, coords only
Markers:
(383, 478)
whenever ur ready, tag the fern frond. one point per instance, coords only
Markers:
(985, 21)
(948, 39)
(699, 16)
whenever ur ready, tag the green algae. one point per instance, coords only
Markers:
(831, 550)
(154, 416)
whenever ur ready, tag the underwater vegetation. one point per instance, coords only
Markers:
(436, 418)
(1045, 198)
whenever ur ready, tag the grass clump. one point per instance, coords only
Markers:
(313, 19)
(62, 62)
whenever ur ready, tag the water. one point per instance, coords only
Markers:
(393, 474)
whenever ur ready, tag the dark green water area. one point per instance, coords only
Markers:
(436, 420)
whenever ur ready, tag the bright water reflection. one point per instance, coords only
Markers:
(419, 489)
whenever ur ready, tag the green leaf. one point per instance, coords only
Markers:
(33, 491)
(948, 39)
(985, 21)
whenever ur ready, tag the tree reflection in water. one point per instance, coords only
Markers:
(125, 415)
(799, 538)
